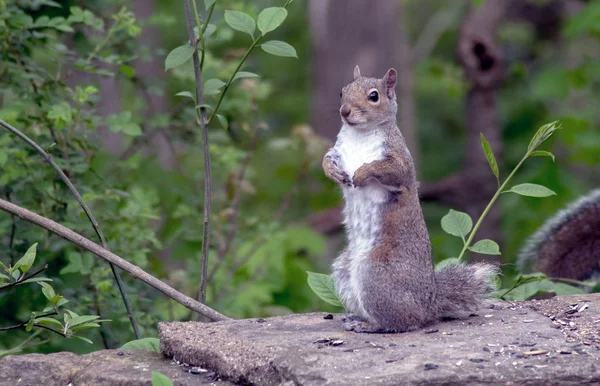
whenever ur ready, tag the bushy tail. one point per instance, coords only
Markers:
(461, 287)
(568, 244)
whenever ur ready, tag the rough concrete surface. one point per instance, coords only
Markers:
(107, 367)
(549, 342)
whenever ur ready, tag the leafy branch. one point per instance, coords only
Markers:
(107, 255)
(459, 224)
(72, 321)
(268, 20)
(88, 213)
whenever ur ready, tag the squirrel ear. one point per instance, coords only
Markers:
(356, 72)
(389, 81)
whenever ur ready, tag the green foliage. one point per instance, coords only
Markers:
(279, 48)
(525, 287)
(460, 224)
(324, 287)
(179, 56)
(159, 379)
(49, 318)
(151, 344)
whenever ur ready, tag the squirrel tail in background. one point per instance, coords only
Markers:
(568, 244)
(460, 288)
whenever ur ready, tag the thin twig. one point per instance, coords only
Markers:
(14, 283)
(205, 151)
(23, 324)
(107, 255)
(87, 211)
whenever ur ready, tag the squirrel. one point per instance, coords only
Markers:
(385, 277)
(568, 244)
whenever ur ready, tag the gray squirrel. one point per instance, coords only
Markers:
(568, 244)
(385, 276)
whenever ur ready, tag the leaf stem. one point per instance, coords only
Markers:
(237, 69)
(489, 206)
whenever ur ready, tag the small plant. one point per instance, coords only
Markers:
(459, 224)
(18, 274)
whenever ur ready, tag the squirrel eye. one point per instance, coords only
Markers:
(340, 94)
(374, 96)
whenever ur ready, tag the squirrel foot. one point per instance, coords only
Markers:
(357, 324)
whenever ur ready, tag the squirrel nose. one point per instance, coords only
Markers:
(345, 110)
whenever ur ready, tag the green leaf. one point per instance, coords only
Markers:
(159, 379)
(82, 338)
(245, 74)
(132, 128)
(143, 344)
(457, 224)
(61, 113)
(29, 325)
(208, 3)
(5, 278)
(210, 29)
(36, 280)
(532, 190)
(178, 56)
(486, 247)
(324, 286)
(27, 260)
(279, 48)
(240, 21)
(489, 154)
(83, 319)
(186, 94)
(223, 121)
(447, 263)
(74, 265)
(48, 322)
(47, 290)
(543, 134)
(271, 18)
(126, 70)
(213, 84)
(542, 153)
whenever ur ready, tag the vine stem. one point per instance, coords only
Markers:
(489, 206)
(88, 213)
(205, 150)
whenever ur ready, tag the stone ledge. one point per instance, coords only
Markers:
(100, 368)
(546, 341)
(549, 342)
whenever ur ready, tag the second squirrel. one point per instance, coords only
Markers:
(385, 276)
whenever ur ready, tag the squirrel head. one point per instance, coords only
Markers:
(369, 101)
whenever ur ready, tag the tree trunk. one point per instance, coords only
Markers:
(368, 33)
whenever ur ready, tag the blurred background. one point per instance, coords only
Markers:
(91, 88)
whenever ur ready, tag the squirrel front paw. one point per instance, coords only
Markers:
(361, 177)
(333, 170)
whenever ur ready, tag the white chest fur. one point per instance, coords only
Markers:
(362, 209)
